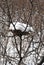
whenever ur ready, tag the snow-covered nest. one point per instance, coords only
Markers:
(21, 26)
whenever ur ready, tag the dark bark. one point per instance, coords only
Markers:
(20, 61)
(42, 61)
(19, 32)
(20, 50)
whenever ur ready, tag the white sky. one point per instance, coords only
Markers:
(21, 26)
